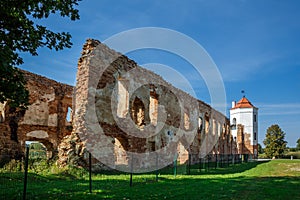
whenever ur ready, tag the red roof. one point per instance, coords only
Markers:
(243, 103)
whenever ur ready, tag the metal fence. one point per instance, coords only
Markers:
(17, 179)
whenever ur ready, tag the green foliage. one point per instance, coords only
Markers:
(262, 156)
(13, 166)
(36, 146)
(296, 155)
(19, 33)
(12, 86)
(274, 142)
(298, 145)
(260, 149)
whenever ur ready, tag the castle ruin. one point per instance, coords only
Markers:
(120, 112)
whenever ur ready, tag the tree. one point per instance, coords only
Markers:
(19, 33)
(298, 145)
(274, 142)
(260, 149)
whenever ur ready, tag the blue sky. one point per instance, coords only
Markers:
(254, 43)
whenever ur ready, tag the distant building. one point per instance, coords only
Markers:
(244, 126)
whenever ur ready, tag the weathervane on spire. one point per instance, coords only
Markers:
(243, 92)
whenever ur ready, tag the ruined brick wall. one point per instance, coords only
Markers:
(129, 107)
(127, 103)
(244, 143)
(43, 121)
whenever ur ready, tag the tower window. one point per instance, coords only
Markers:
(255, 136)
(254, 118)
(234, 121)
(233, 126)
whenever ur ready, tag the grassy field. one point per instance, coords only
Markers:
(276, 179)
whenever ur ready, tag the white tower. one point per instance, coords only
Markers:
(245, 114)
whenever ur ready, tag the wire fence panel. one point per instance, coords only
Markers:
(46, 180)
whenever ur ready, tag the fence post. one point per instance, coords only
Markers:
(156, 173)
(227, 160)
(189, 164)
(208, 162)
(175, 165)
(131, 171)
(26, 172)
(200, 164)
(90, 171)
(216, 164)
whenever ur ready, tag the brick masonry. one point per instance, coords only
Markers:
(44, 120)
(120, 111)
(130, 103)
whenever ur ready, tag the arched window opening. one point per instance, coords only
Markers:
(219, 129)
(123, 98)
(120, 153)
(151, 146)
(2, 112)
(206, 123)
(200, 124)
(1, 117)
(233, 126)
(214, 128)
(69, 115)
(153, 106)
(37, 150)
(234, 121)
(186, 121)
(138, 112)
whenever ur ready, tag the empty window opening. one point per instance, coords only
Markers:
(206, 123)
(254, 118)
(69, 115)
(186, 121)
(153, 106)
(1, 117)
(254, 136)
(2, 112)
(219, 129)
(37, 150)
(214, 127)
(151, 146)
(200, 124)
(138, 112)
(119, 151)
(123, 98)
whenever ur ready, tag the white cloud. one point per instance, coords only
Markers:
(279, 109)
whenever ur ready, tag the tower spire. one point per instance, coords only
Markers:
(243, 92)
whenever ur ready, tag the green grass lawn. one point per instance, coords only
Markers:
(277, 179)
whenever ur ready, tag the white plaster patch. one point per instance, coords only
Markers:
(49, 97)
(52, 120)
(38, 134)
(37, 114)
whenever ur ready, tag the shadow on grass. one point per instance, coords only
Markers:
(231, 169)
(167, 187)
(186, 187)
